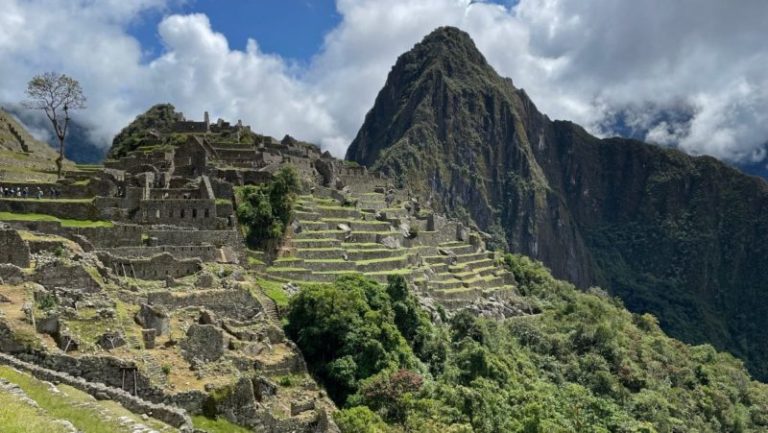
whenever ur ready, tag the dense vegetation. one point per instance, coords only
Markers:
(265, 210)
(585, 364)
(684, 238)
(159, 118)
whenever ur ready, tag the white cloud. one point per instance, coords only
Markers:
(583, 60)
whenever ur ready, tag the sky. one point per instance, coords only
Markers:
(686, 73)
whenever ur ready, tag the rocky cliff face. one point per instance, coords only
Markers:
(681, 237)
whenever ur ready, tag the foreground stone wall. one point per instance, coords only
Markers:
(173, 416)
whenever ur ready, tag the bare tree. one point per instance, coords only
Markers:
(55, 94)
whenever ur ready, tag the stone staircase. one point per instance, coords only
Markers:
(330, 239)
(149, 366)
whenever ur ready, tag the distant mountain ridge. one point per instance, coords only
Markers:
(679, 236)
(79, 148)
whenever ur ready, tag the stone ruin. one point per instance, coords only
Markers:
(13, 249)
(160, 266)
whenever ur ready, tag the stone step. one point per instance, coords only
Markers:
(306, 216)
(472, 257)
(338, 212)
(382, 276)
(374, 253)
(315, 243)
(448, 284)
(332, 265)
(320, 234)
(484, 282)
(389, 213)
(361, 245)
(455, 299)
(458, 249)
(465, 275)
(289, 273)
(370, 237)
(488, 270)
(371, 206)
(152, 369)
(470, 266)
(443, 276)
(314, 225)
(320, 253)
(439, 268)
(478, 264)
(437, 260)
(380, 265)
(358, 225)
(324, 277)
(289, 261)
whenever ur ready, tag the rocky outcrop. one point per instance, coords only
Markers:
(681, 237)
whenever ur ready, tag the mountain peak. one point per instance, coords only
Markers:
(447, 43)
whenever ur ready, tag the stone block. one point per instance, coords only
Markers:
(149, 336)
(204, 342)
(111, 340)
(153, 317)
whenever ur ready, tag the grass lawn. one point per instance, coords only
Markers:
(11, 216)
(69, 405)
(18, 417)
(274, 291)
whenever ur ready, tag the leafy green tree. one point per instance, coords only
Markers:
(346, 330)
(360, 419)
(266, 210)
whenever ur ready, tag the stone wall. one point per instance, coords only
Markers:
(157, 267)
(243, 177)
(217, 238)
(192, 212)
(119, 235)
(206, 253)
(138, 161)
(173, 416)
(238, 304)
(175, 193)
(80, 210)
(13, 249)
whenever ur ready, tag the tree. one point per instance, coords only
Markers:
(55, 94)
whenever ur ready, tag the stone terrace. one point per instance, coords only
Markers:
(440, 257)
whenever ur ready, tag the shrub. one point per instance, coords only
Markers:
(266, 210)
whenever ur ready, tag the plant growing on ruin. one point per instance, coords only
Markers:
(55, 94)
(266, 210)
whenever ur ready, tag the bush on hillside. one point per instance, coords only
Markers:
(266, 210)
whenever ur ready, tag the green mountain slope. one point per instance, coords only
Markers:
(583, 364)
(22, 157)
(678, 236)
